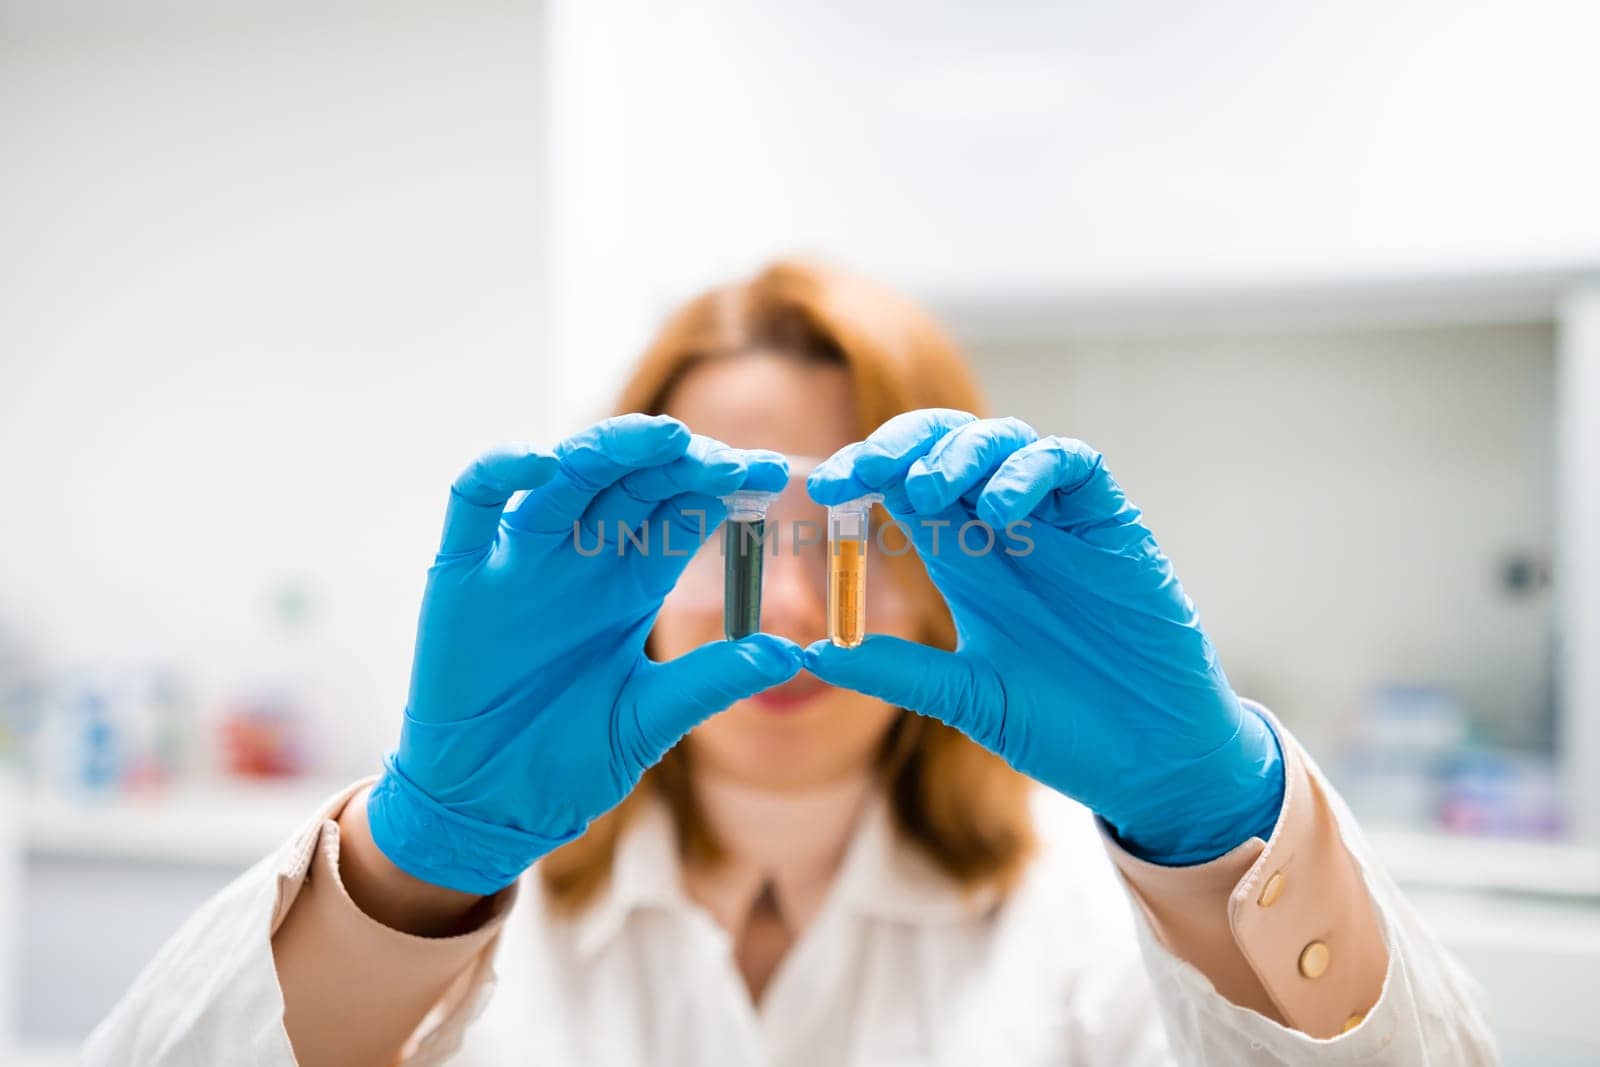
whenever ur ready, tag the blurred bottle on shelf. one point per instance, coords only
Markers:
(274, 725)
(160, 722)
(107, 730)
(1508, 794)
(80, 744)
(1398, 755)
(263, 737)
(1414, 759)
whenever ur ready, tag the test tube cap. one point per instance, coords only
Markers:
(857, 504)
(848, 519)
(745, 505)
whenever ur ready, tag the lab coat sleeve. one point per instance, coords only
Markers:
(212, 994)
(1300, 949)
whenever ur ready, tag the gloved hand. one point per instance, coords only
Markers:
(533, 705)
(1081, 662)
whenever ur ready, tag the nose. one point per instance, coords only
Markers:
(792, 603)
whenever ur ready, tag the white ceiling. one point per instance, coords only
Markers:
(966, 149)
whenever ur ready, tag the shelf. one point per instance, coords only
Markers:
(236, 823)
(1487, 864)
(1255, 305)
(1521, 924)
(225, 823)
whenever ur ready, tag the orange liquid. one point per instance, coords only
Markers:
(847, 592)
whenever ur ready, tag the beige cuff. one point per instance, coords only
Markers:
(331, 952)
(1286, 927)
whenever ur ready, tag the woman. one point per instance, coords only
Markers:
(775, 850)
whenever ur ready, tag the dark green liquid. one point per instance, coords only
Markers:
(743, 548)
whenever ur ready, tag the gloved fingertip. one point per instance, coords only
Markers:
(638, 422)
(723, 481)
(772, 655)
(645, 439)
(814, 651)
(925, 491)
(667, 421)
(830, 481)
(724, 459)
(897, 502)
(767, 456)
(675, 437)
(765, 473)
(824, 658)
(873, 465)
(723, 476)
(722, 485)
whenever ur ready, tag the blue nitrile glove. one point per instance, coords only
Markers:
(533, 706)
(1082, 662)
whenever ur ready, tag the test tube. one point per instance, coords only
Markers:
(848, 530)
(744, 539)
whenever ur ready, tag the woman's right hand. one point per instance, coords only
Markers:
(533, 706)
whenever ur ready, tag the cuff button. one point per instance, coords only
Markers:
(1270, 891)
(1314, 959)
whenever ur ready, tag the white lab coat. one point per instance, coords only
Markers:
(896, 968)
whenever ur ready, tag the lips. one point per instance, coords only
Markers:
(791, 695)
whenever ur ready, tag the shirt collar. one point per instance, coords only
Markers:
(880, 878)
(794, 839)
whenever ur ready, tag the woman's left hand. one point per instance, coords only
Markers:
(1079, 660)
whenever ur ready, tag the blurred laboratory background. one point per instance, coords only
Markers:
(1322, 280)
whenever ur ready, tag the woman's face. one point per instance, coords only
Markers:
(804, 732)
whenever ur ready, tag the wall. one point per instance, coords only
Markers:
(974, 152)
(1338, 503)
(1578, 520)
(271, 277)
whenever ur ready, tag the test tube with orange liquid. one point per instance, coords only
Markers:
(849, 528)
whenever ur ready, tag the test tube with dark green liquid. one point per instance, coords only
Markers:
(744, 544)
